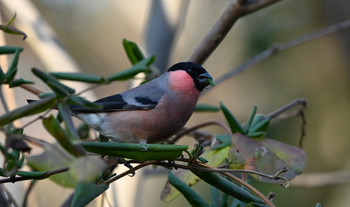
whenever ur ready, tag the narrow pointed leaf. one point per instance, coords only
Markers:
(133, 51)
(78, 77)
(260, 126)
(139, 67)
(206, 108)
(9, 49)
(227, 187)
(10, 75)
(12, 30)
(19, 82)
(2, 75)
(77, 100)
(27, 110)
(191, 196)
(251, 118)
(232, 121)
(85, 192)
(54, 128)
(14, 62)
(52, 82)
(68, 122)
(140, 152)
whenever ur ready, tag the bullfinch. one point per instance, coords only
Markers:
(150, 112)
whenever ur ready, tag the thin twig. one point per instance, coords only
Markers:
(47, 174)
(3, 101)
(251, 188)
(31, 89)
(132, 170)
(207, 168)
(322, 179)
(285, 108)
(201, 125)
(283, 46)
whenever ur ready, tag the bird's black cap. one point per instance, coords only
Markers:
(198, 73)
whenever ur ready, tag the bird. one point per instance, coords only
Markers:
(151, 112)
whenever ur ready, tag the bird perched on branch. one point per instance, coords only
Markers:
(150, 112)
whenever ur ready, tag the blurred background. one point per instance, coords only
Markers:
(91, 33)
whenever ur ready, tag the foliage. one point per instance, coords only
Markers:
(244, 149)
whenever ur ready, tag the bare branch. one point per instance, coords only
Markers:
(198, 126)
(283, 46)
(316, 180)
(233, 11)
(131, 170)
(47, 174)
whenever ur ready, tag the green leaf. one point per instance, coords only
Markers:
(54, 157)
(77, 100)
(139, 152)
(251, 118)
(15, 59)
(225, 140)
(85, 192)
(227, 187)
(86, 168)
(53, 83)
(232, 121)
(11, 72)
(68, 122)
(215, 197)
(12, 30)
(206, 108)
(33, 174)
(27, 110)
(59, 88)
(133, 51)
(78, 77)
(54, 128)
(139, 67)
(9, 49)
(234, 159)
(214, 157)
(2, 75)
(260, 125)
(19, 82)
(270, 156)
(191, 196)
(10, 75)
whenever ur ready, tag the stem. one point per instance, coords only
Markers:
(3, 101)
(143, 164)
(194, 128)
(223, 25)
(285, 108)
(281, 47)
(48, 174)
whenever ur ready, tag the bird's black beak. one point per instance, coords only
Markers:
(203, 80)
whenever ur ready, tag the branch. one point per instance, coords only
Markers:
(47, 174)
(283, 46)
(132, 170)
(223, 25)
(316, 180)
(198, 126)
